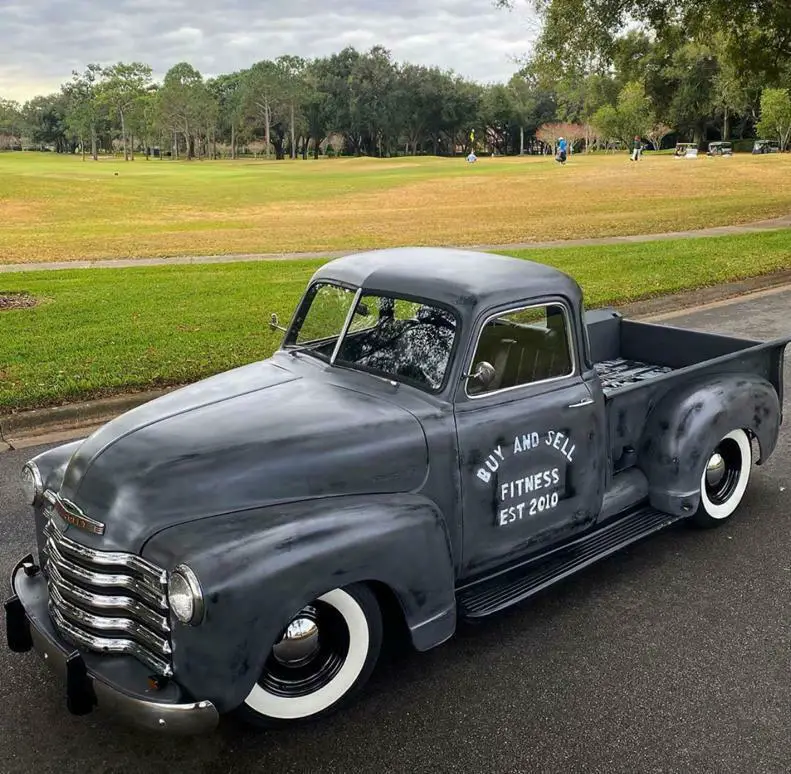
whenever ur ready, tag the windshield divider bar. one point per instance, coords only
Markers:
(345, 329)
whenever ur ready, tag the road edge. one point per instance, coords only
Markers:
(22, 429)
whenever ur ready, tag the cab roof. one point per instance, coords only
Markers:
(463, 279)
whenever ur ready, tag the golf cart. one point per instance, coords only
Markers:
(720, 149)
(686, 150)
(766, 146)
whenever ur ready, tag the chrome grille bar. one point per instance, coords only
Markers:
(118, 603)
(137, 631)
(107, 601)
(103, 580)
(109, 645)
(147, 571)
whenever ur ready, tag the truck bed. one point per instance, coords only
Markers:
(620, 372)
(639, 363)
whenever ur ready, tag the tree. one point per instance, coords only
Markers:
(145, 117)
(582, 35)
(120, 92)
(632, 116)
(11, 124)
(549, 134)
(775, 115)
(335, 81)
(460, 110)
(183, 103)
(261, 93)
(46, 118)
(83, 109)
(226, 91)
(730, 95)
(657, 133)
(315, 104)
(420, 102)
(692, 72)
(498, 114)
(291, 72)
(375, 102)
(572, 133)
(530, 105)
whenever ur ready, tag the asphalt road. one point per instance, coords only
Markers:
(674, 656)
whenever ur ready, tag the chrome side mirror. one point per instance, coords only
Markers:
(483, 374)
(274, 324)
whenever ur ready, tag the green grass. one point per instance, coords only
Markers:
(61, 208)
(102, 331)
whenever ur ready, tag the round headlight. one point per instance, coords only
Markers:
(185, 595)
(32, 483)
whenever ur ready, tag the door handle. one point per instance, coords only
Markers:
(583, 402)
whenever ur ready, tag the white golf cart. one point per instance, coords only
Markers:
(724, 149)
(686, 150)
(766, 146)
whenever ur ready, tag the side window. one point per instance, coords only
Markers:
(524, 346)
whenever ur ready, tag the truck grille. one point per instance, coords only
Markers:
(107, 601)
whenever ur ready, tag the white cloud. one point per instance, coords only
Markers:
(42, 41)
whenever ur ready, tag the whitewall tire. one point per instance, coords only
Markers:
(724, 479)
(324, 655)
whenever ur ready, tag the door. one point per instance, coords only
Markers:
(531, 438)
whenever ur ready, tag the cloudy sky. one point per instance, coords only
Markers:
(42, 41)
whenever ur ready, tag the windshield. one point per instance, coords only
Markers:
(394, 337)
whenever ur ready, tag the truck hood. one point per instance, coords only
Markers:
(255, 436)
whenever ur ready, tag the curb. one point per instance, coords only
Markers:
(16, 429)
(27, 428)
(687, 300)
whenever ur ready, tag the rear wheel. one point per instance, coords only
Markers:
(324, 655)
(724, 480)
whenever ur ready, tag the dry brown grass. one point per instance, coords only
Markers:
(63, 209)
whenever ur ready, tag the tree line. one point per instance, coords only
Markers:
(357, 103)
(691, 70)
(593, 81)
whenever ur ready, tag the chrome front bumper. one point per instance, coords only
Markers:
(118, 684)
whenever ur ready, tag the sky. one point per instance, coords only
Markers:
(42, 41)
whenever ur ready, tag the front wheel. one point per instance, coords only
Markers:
(324, 655)
(724, 480)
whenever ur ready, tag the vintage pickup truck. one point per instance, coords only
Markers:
(441, 435)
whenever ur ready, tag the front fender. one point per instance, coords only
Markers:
(683, 429)
(260, 567)
(53, 462)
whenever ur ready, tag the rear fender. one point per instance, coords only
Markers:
(687, 424)
(259, 568)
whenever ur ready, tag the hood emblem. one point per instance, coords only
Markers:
(72, 515)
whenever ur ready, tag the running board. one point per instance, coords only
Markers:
(490, 595)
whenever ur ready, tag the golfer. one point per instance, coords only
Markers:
(561, 157)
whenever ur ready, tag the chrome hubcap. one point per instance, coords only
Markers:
(309, 654)
(723, 471)
(300, 642)
(715, 470)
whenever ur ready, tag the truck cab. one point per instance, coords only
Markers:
(441, 434)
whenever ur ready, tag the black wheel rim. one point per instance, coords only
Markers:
(722, 483)
(305, 678)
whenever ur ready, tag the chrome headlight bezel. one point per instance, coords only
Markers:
(32, 483)
(185, 596)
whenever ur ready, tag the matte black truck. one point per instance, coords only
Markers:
(441, 435)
